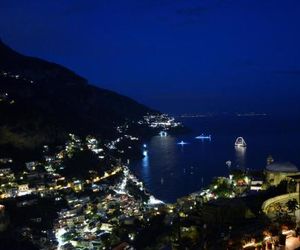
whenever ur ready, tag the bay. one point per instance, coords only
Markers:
(170, 171)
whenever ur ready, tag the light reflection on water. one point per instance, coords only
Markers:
(170, 171)
(167, 168)
(240, 154)
(145, 164)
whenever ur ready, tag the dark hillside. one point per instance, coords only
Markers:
(42, 102)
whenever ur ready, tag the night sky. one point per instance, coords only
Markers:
(173, 55)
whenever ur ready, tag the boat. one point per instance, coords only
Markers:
(163, 133)
(182, 143)
(228, 163)
(203, 137)
(240, 142)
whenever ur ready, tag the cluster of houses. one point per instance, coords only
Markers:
(160, 121)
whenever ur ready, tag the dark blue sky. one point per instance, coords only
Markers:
(174, 55)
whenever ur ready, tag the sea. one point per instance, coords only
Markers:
(170, 170)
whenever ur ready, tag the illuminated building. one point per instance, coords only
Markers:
(276, 172)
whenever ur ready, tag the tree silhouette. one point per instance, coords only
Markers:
(292, 205)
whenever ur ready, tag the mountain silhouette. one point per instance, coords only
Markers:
(42, 102)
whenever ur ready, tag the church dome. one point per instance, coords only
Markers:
(285, 167)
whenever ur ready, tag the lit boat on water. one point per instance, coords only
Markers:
(203, 137)
(240, 142)
(182, 143)
(163, 133)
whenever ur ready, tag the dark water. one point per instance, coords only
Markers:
(170, 171)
